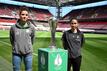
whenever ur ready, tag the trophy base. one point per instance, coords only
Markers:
(49, 60)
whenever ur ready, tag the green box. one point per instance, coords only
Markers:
(52, 60)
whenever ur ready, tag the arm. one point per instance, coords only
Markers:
(82, 39)
(64, 41)
(12, 36)
(33, 36)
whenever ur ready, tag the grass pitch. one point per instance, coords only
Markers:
(94, 51)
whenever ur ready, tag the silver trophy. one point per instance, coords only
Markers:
(53, 24)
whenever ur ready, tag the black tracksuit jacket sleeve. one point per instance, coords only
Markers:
(82, 39)
(64, 40)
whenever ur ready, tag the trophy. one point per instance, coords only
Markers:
(53, 24)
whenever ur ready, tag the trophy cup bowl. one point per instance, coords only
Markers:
(53, 24)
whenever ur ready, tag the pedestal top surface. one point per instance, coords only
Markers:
(52, 50)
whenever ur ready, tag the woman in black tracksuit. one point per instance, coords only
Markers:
(73, 40)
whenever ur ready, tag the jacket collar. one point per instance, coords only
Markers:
(78, 31)
(27, 25)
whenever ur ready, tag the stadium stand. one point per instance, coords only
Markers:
(62, 26)
(8, 14)
(42, 15)
(93, 25)
(89, 13)
(90, 18)
(6, 23)
(44, 2)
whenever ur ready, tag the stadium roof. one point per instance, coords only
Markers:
(79, 2)
(65, 10)
(25, 4)
(41, 2)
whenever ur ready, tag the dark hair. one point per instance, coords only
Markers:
(72, 19)
(23, 8)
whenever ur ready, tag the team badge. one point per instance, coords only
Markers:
(27, 30)
(17, 32)
(77, 36)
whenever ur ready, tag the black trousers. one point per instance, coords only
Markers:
(75, 63)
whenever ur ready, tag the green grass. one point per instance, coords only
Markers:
(94, 51)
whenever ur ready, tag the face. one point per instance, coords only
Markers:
(23, 16)
(74, 24)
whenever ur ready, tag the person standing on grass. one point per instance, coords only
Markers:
(73, 40)
(22, 38)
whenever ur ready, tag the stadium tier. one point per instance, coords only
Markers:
(9, 11)
(42, 15)
(88, 13)
(83, 25)
(8, 14)
(93, 25)
(6, 23)
(89, 18)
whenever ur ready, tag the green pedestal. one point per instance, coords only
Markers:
(52, 60)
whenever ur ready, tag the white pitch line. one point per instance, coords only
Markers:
(72, 69)
(35, 54)
(5, 43)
